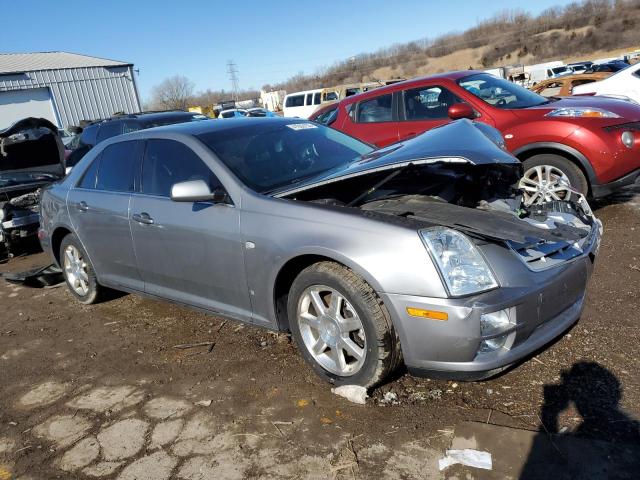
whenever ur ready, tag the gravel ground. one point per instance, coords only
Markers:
(101, 392)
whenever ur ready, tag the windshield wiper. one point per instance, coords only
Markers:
(375, 187)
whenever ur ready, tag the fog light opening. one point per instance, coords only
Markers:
(628, 139)
(496, 329)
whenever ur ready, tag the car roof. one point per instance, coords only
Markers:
(148, 116)
(452, 76)
(199, 128)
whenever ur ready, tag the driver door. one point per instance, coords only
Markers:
(189, 252)
(424, 108)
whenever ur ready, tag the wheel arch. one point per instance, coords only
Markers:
(56, 240)
(292, 267)
(527, 151)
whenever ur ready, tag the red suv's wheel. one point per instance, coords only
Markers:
(551, 177)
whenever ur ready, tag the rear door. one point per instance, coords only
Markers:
(373, 120)
(99, 210)
(424, 108)
(187, 251)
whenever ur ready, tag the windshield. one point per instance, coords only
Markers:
(266, 157)
(499, 92)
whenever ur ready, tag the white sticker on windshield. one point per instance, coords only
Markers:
(301, 126)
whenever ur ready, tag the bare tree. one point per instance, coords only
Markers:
(174, 93)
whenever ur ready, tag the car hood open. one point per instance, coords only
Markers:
(31, 145)
(461, 141)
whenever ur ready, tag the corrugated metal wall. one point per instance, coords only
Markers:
(82, 93)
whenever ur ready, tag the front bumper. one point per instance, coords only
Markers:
(608, 188)
(450, 349)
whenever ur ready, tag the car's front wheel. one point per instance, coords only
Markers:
(341, 327)
(78, 271)
(549, 177)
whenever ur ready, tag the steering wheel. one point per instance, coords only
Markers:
(307, 157)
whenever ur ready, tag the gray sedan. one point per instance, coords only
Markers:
(419, 253)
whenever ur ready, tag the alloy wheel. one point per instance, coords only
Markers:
(332, 330)
(75, 269)
(544, 183)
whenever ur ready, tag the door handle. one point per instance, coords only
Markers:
(82, 206)
(143, 218)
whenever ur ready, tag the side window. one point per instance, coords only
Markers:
(328, 117)
(551, 89)
(89, 177)
(316, 98)
(129, 127)
(109, 129)
(377, 109)
(309, 99)
(117, 167)
(428, 103)
(295, 101)
(167, 162)
(330, 96)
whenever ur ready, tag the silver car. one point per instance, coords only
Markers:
(419, 253)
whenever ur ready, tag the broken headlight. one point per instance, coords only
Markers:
(462, 266)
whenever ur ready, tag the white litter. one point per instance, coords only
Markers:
(204, 403)
(353, 393)
(468, 457)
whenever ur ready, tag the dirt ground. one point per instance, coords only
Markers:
(101, 392)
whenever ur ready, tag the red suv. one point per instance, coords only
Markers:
(591, 144)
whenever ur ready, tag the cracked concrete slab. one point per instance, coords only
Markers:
(166, 432)
(123, 439)
(63, 430)
(162, 408)
(157, 466)
(82, 454)
(44, 394)
(101, 399)
(102, 469)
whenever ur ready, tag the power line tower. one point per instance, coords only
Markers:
(232, 70)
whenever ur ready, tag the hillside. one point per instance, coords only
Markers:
(581, 30)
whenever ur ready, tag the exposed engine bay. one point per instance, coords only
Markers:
(480, 200)
(31, 157)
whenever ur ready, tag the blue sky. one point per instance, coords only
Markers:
(268, 40)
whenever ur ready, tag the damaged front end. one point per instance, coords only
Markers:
(466, 183)
(31, 157)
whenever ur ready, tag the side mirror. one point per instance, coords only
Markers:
(461, 110)
(197, 191)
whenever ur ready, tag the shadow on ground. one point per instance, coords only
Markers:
(606, 444)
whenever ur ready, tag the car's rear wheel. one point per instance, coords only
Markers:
(550, 177)
(78, 271)
(341, 327)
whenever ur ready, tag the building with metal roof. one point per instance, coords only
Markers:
(66, 88)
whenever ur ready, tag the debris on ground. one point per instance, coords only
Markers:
(468, 457)
(38, 277)
(353, 393)
(390, 398)
(204, 403)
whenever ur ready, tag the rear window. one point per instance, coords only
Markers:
(295, 101)
(377, 109)
(117, 167)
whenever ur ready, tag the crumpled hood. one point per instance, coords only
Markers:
(29, 145)
(627, 111)
(461, 141)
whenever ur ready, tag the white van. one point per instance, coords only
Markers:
(301, 104)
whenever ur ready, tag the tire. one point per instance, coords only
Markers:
(94, 291)
(377, 337)
(557, 165)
